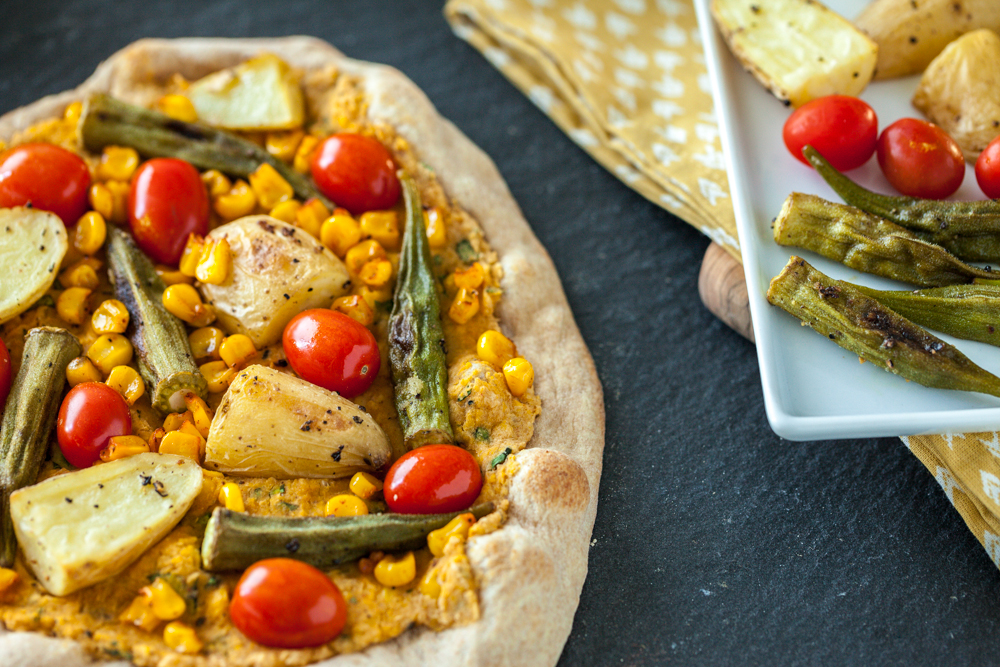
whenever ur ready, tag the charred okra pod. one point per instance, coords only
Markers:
(970, 312)
(236, 540)
(864, 326)
(29, 417)
(867, 243)
(416, 338)
(970, 230)
(163, 353)
(108, 121)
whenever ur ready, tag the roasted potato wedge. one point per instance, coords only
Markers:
(911, 33)
(261, 94)
(960, 91)
(797, 49)
(32, 244)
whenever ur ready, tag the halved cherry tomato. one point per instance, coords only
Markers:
(843, 129)
(166, 203)
(920, 159)
(286, 603)
(5, 375)
(356, 172)
(48, 177)
(988, 170)
(433, 479)
(332, 350)
(90, 414)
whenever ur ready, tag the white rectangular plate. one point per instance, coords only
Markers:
(813, 389)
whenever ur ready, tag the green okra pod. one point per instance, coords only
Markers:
(236, 540)
(970, 230)
(872, 331)
(163, 353)
(416, 337)
(28, 419)
(108, 121)
(868, 243)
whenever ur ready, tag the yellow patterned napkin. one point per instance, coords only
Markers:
(626, 80)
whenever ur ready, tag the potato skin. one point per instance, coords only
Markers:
(911, 34)
(960, 91)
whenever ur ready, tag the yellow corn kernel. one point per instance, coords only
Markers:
(216, 263)
(470, 277)
(240, 200)
(90, 233)
(110, 350)
(182, 444)
(429, 585)
(346, 505)
(127, 382)
(177, 107)
(311, 216)
(172, 276)
(123, 446)
(519, 375)
(73, 111)
(72, 304)
(340, 233)
(201, 413)
(140, 614)
(8, 578)
(194, 248)
(119, 198)
(373, 297)
(383, 226)
(117, 163)
(181, 638)
(365, 485)
(286, 211)
(237, 350)
(167, 603)
(110, 317)
(457, 527)
(437, 236)
(303, 154)
(175, 420)
(356, 308)
(376, 273)
(82, 370)
(465, 306)
(216, 183)
(231, 497)
(283, 145)
(184, 302)
(495, 348)
(218, 375)
(396, 570)
(101, 200)
(361, 254)
(80, 274)
(205, 342)
(269, 186)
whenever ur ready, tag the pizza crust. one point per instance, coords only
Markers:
(532, 570)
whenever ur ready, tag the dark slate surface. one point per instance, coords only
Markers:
(716, 542)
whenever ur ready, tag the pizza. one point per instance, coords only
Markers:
(284, 426)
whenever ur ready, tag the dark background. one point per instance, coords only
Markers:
(716, 542)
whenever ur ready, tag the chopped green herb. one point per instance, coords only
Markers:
(212, 581)
(118, 655)
(437, 259)
(291, 507)
(465, 395)
(279, 490)
(466, 252)
(500, 458)
(257, 492)
(482, 434)
(353, 600)
(46, 300)
(384, 305)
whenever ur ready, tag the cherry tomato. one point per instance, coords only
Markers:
(433, 479)
(167, 202)
(49, 177)
(920, 159)
(5, 375)
(988, 170)
(842, 129)
(332, 350)
(286, 603)
(356, 172)
(91, 413)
